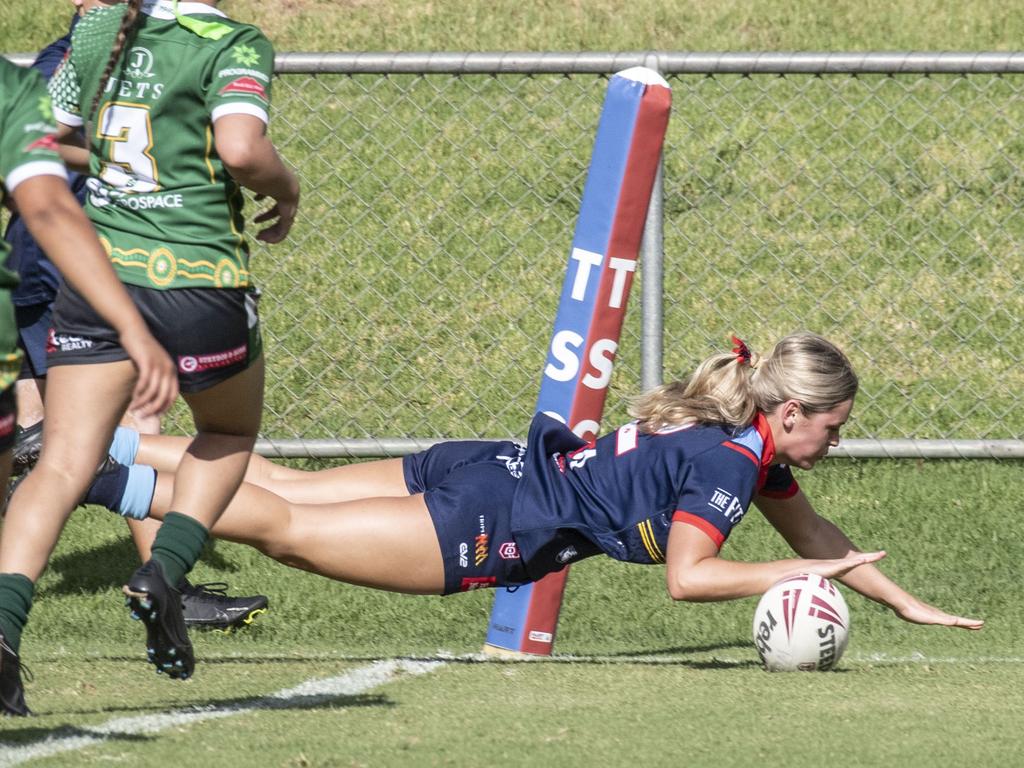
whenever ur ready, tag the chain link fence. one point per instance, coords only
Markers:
(873, 198)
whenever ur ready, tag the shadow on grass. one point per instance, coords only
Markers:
(135, 728)
(106, 567)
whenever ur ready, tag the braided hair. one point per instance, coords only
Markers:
(124, 33)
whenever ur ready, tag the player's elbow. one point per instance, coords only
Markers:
(684, 585)
(240, 157)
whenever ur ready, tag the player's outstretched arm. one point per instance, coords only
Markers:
(695, 573)
(250, 157)
(811, 535)
(59, 225)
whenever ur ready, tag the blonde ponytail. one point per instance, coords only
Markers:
(730, 388)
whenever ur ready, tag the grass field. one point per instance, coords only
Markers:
(338, 676)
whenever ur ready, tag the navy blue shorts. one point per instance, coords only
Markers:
(211, 334)
(8, 412)
(34, 323)
(468, 487)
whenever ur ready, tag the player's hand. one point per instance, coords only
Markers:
(833, 569)
(917, 612)
(282, 213)
(157, 384)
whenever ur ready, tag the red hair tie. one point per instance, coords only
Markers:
(741, 351)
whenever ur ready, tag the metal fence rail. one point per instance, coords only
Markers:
(873, 197)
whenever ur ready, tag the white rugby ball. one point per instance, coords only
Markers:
(801, 624)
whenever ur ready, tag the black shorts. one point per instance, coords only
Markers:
(468, 487)
(211, 334)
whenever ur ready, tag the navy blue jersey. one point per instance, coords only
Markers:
(39, 277)
(621, 493)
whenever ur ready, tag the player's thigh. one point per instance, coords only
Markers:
(83, 405)
(369, 479)
(386, 543)
(233, 406)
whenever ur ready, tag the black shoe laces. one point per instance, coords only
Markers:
(218, 588)
(23, 669)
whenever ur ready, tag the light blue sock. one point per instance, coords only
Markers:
(138, 493)
(125, 445)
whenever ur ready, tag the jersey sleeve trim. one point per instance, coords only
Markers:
(239, 108)
(699, 522)
(32, 169)
(67, 118)
(743, 451)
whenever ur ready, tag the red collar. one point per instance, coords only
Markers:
(768, 454)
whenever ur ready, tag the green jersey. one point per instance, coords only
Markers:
(27, 149)
(27, 146)
(166, 209)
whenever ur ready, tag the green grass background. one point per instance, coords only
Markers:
(673, 683)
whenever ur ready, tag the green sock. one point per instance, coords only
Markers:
(178, 545)
(15, 603)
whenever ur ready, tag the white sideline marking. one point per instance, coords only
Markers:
(311, 692)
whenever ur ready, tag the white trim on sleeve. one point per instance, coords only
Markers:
(239, 108)
(34, 168)
(67, 118)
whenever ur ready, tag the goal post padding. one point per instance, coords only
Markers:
(595, 291)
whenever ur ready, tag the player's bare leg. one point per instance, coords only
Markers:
(362, 480)
(386, 543)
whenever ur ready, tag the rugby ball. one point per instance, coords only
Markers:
(801, 624)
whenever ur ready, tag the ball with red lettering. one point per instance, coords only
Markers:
(801, 624)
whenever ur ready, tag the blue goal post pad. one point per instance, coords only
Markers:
(592, 307)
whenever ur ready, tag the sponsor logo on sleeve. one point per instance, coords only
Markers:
(245, 55)
(247, 86)
(726, 503)
(46, 142)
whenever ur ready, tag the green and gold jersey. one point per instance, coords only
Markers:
(166, 209)
(27, 146)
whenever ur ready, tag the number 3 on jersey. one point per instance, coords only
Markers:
(128, 130)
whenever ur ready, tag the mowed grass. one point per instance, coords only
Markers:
(636, 677)
(415, 182)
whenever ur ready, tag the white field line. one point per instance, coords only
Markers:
(704, 657)
(311, 692)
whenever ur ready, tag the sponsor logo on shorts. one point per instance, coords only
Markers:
(508, 551)
(196, 363)
(463, 555)
(480, 542)
(63, 342)
(477, 582)
(480, 549)
(246, 85)
(515, 464)
(567, 555)
(541, 637)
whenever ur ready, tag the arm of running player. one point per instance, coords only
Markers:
(250, 157)
(60, 226)
(71, 145)
(811, 535)
(696, 573)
